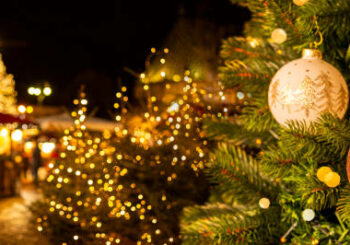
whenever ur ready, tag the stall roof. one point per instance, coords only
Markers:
(64, 121)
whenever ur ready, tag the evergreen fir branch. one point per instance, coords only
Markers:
(335, 12)
(343, 205)
(194, 213)
(257, 117)
(313, 193)
(272, 14)
(249, 66)
(307, 142)
(233, 132)
(229, 226)
(241, 48)
(334, 132)
(245, 81)
(223, 130)
(276, 163)
(233, 169)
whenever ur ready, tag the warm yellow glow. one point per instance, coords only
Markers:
(17, 135)
(48, 147)
(4, 132)
(31, 90)
(30, 109)
(28, 147)
(47, 91)
(21, 109)
(37, 91)
(176, 78)
(174, 107)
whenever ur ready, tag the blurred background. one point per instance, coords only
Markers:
(67, 43)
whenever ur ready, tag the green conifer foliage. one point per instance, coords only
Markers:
(260, 159)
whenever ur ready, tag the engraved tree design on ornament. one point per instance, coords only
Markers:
(334, 102)
(274, 93)
(341, 100)
(308, 96)
(326, 94)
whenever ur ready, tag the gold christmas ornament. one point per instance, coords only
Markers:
(264, 203)
(332, 179)
(300, 2)
(322, 172)
(279, 35)
(305, 88)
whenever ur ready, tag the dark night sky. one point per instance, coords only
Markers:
(65, 42)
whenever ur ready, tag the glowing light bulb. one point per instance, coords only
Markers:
(174, 107)
(308, 214)
(17, 135)
(31, 90)
(21, 109)
(48, 147)
(47, 91)
(4, 132)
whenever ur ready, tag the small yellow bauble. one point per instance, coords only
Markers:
(332, 179)
(279, 35)
(322, 171)
(300, 2)
(264, 203)
(315, 242)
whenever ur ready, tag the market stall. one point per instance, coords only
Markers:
(14, 131)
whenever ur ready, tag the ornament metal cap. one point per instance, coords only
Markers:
(309, 53)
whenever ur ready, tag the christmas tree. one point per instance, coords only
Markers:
(7, 91)
(283, 182)
(88, 197)
(160, 152)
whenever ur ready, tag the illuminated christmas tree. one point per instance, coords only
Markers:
(88, 197)
(7, 91)
(147, 148)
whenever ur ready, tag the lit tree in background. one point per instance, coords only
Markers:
(88, 197)
(132, 186)
(162, 146)
(287, 182)
(7, 91)
(184, 124)
(143, 150)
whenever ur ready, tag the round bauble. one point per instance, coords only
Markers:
(300, 2)
(279, 35)
(308, 214)
(305, 88)
(332, 179)
(322, 171)
(264, 203)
